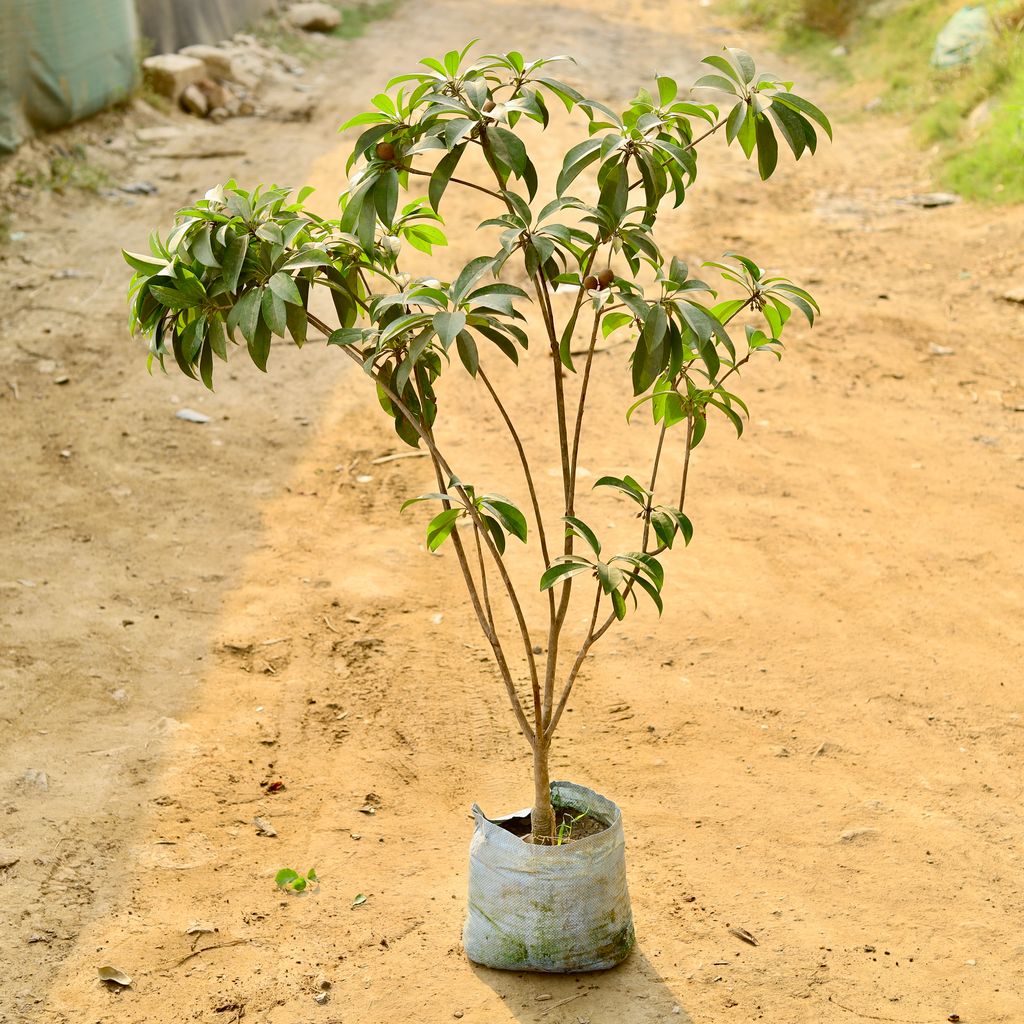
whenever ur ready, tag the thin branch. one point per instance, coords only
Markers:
(458, 181)
(574, 462)
(525, 464)
(483, 576)
(588, 642)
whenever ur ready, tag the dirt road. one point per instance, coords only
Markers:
(820, 742)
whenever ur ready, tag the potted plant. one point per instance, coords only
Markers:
(547, 888)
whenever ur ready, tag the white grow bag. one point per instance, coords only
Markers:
(560, 909)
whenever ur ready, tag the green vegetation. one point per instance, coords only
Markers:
(890, 45)
(356, 20)
(67, 170)
(246, 263)
(293, 881)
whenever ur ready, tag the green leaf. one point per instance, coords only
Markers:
(493, 527)
(234, 257)
(284, 876)
(359, 900)
(442, 175)
(610, 577)
(628, 486)
(562, 571)
(273, 312)
(803, 106)
(246, 313)
(508, 148)
(767, 147)
(650, 590)
(282, 285)
(259, 346)
(667, 90)
(576, 161)
(441, 526)
(468, 352)
(448, 326)
(619, 604)
(791, 127)
(511, 518)
(580, 529)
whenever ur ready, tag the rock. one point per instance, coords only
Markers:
(140, 188)
(322, 983)
(218, 63)
(1015, 295)
(194, 100)
(854, 835)
(34, 778)
(215, 93)
(170, 74)
(322, 998)
(931, 200)
(191, 416)
(940, 350)
(313, 17)
(979, 117)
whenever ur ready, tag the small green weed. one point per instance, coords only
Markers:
(292, 881)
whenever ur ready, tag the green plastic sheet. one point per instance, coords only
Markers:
(61, 60)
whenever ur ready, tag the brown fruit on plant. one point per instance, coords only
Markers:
(591, 283)
(488, 106)
(606, 277)
(385, 151)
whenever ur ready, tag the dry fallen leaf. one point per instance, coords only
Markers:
(200, 928)
(114, 976)
(264, 828)
(744, 935)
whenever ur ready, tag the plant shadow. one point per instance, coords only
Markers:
(635, 992)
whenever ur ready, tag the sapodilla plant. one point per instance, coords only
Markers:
(244, 264)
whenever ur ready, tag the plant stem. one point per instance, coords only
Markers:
(458, 181)
(589, 640)
(525, 464)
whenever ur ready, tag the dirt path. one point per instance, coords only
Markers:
(821, 741)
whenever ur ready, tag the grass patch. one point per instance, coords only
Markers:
(356, 20)
(889, 49)
(67, 169)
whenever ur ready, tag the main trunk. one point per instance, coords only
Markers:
(542, 818)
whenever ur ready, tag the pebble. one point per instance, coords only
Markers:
(191, 416)
(851, 835)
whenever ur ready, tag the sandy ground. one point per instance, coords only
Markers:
(820, 742)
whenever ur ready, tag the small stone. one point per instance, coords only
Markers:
(458, 1015)
(194, 101)
(931, 200)
(853, 835)
(313, 17)
(940, 350)
(170, 74)
(322, 983)
(217, 62)
(34, 778)
(1014, 295)
(322, 998)
(191, 416)
(140, 188)
(215, 93)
